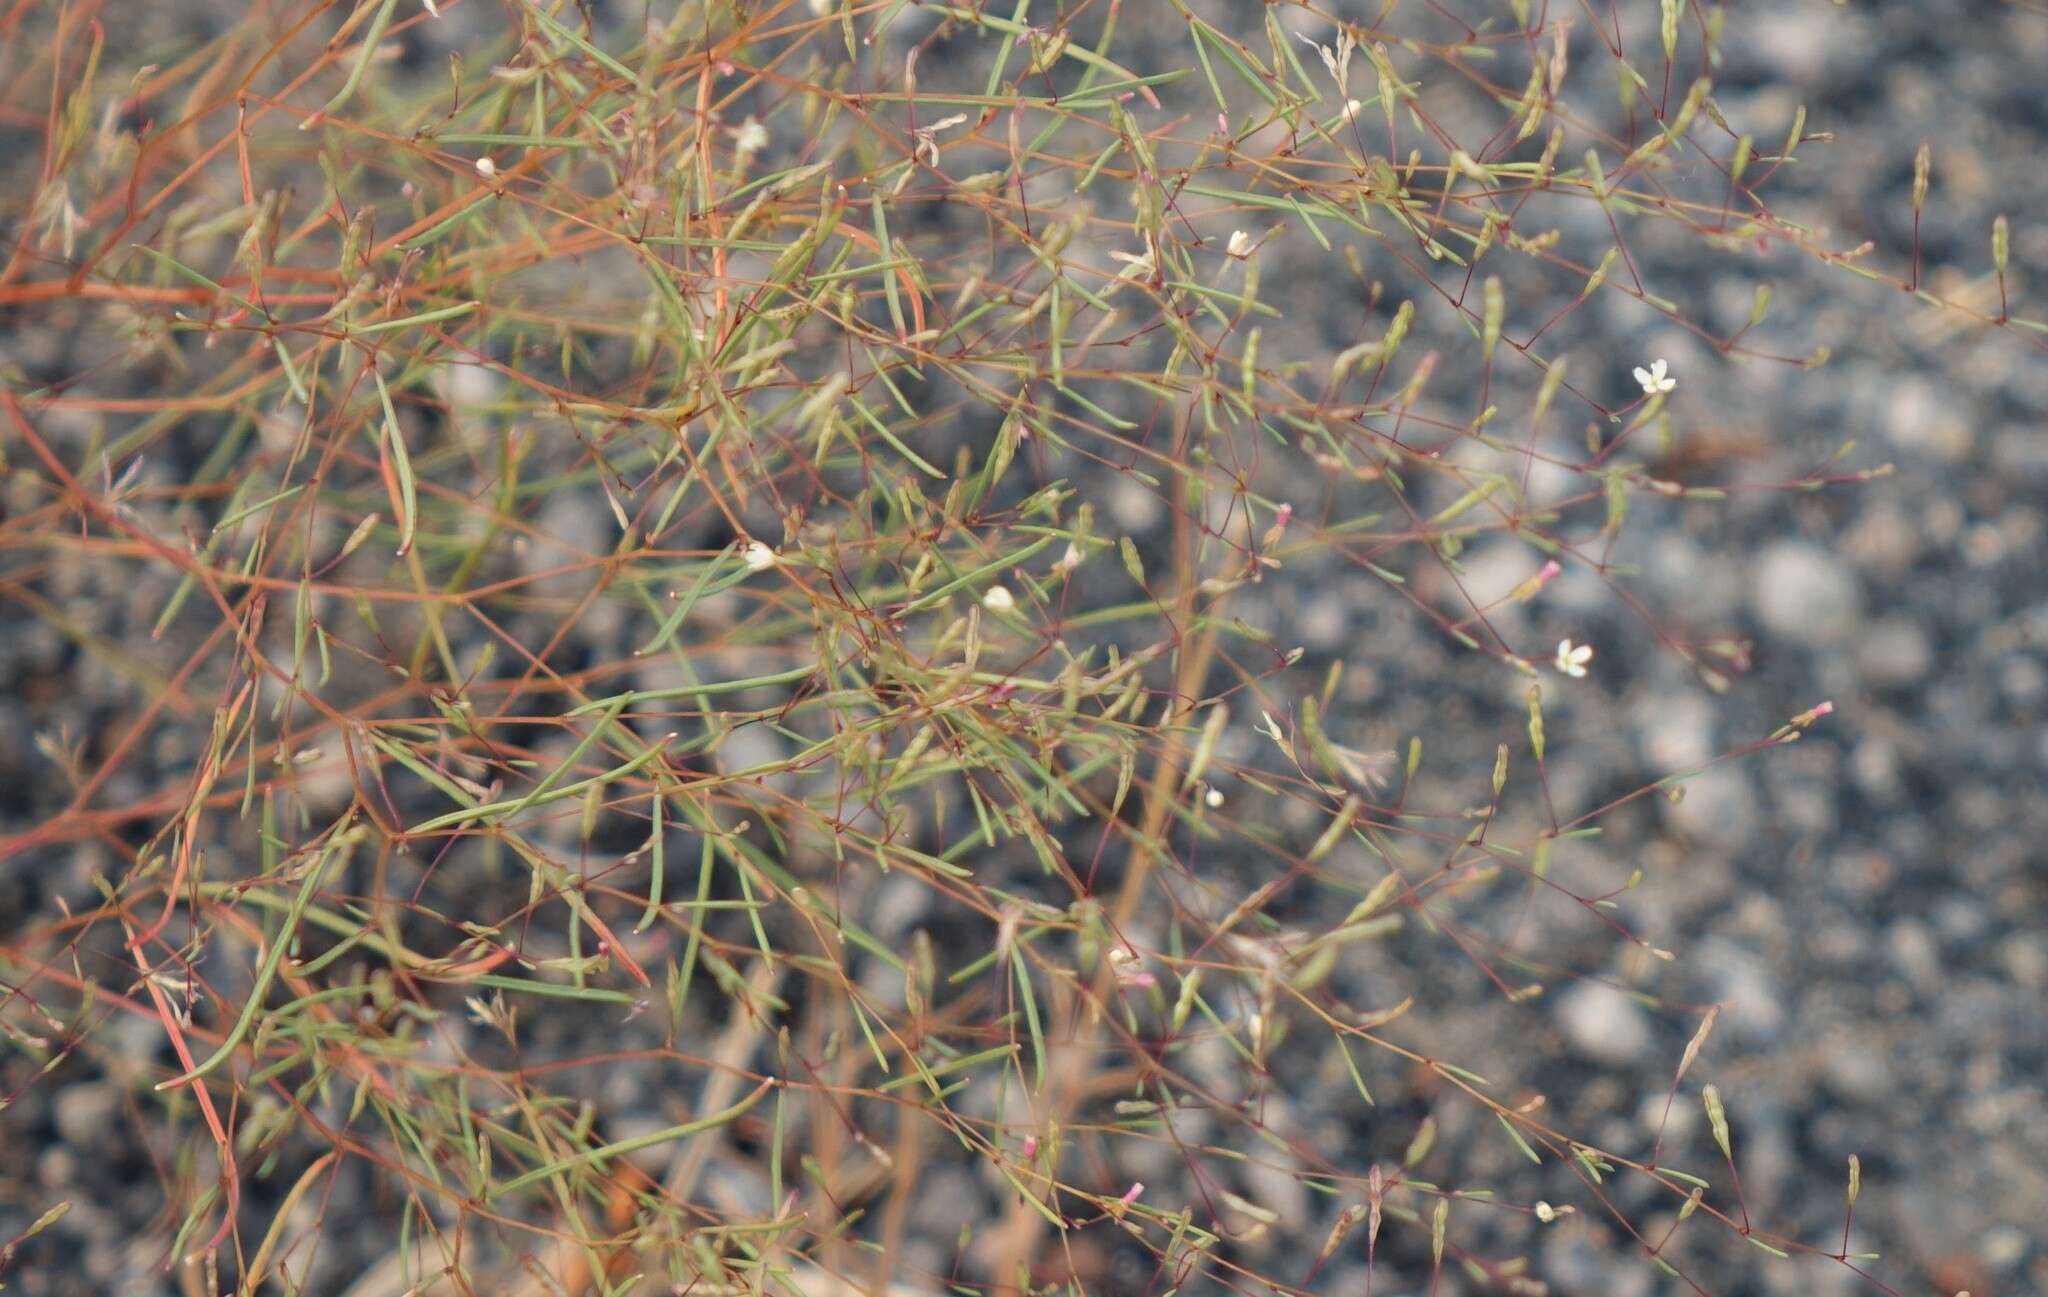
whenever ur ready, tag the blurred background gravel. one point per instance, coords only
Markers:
(1870, 905)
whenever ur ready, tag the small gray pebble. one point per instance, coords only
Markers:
(1719, 808)
(1603, 1023)
(87, 1112)
(1895, 651)
(1804, 594)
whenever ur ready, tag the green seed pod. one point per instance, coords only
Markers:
(1496, 307)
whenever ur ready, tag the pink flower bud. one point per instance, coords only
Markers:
(1812, 714)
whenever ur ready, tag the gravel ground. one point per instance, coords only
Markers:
(1869, 905)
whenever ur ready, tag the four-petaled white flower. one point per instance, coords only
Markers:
(1572, 658)
(1656, 380)
(998, 599)
(486, 168)
(758, 557)
(1240, 245)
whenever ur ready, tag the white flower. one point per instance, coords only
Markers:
(486, 168)
(1572, 658)
(1213, 798)
(750, 138)
(998, 599)
(1069, 560)
(758, 557)
(1240, 245)
(1656, 380)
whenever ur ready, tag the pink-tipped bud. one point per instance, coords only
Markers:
(1285, 513)
(1031, 1146)
(1131, 1194)
(1812, 714)
(1126, 963)
(1544, 576)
